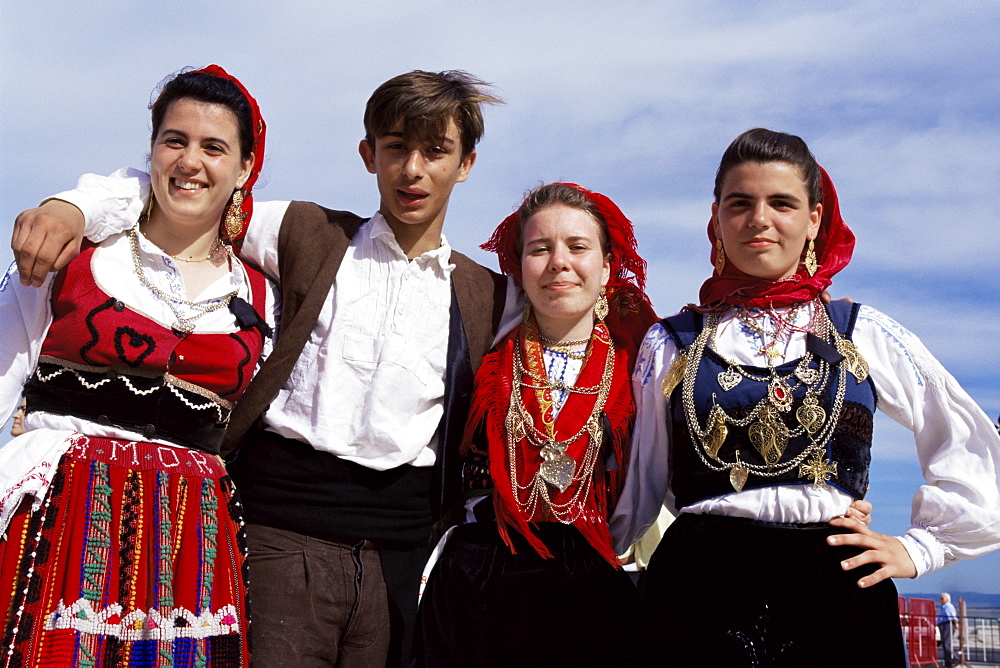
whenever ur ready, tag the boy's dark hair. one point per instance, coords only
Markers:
(211, 89)
(760, 145)
(424, 102)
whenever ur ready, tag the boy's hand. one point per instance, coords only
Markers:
(46, 239)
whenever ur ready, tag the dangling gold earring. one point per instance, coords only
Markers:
(720, 256)
(234, 215)
(810, 261)
(601, 307)
(149, 207)
(526, 312)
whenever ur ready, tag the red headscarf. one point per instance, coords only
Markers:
(630, 312)
(259, 130)
(834, 246)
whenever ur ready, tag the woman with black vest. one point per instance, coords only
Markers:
(755, 425)
(122, 533)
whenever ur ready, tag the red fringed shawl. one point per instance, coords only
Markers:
(490, 403)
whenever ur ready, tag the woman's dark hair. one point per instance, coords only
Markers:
(760, 145)
(204, 87)
(555, 194)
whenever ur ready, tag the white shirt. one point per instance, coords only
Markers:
(369, 384)
(956, 515)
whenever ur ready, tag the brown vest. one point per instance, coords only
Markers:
(311, 245)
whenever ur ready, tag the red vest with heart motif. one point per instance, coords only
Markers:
(93, 328)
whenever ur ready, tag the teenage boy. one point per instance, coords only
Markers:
(348, 434)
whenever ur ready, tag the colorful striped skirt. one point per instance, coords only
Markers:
(136, 557)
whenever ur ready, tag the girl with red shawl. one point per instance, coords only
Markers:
(532, 577)
(755, 427)
(122, 533)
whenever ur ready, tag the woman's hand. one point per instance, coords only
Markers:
(887, 551)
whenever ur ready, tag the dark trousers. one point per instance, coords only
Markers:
(318, 603)
(948, 642)
(723, 591)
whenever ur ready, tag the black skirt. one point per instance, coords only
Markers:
(484, 606)
(723, 591)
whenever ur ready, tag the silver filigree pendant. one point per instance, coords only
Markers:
(728, 379)
(557, 470)
(183, 326)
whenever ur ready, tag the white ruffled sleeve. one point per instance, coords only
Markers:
(646, 480)
(956, 515)
(26, 315)
(110, 204)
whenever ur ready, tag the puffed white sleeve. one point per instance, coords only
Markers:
(647, 477)
(956, 515)
(26, 315)
(112, 204)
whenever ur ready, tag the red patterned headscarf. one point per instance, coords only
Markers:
(834, 246)
(259, 130)
(630, 312)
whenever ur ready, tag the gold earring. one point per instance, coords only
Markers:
(720, 256)
(810, 261)
(601, 307)
(526, 312)
(234, 215)
(149, 206)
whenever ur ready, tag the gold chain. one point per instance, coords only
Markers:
(183, 324)
(520, 425)
(707, 441)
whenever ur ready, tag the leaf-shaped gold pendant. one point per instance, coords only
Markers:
(810, 414)
(770, 436)
(855, 361)
(674, 375)
(716, 434)
(738, 477)
(516, 427)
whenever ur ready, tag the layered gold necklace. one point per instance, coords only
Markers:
(767, 429)
(183, 324)
(558, 469)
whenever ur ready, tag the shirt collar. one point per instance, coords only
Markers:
(440, 257)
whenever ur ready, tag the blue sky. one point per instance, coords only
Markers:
(634, 99)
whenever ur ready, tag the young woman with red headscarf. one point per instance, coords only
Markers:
(755, 425)
(122, 540)
(532, 577)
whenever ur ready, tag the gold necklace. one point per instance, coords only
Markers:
(183, 324)
(558, 469)
(769, 433)
(212, 252)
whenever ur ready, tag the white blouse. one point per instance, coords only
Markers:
(956, 515)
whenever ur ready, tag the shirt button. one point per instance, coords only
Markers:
(119, 306)
(103, 420)
(148, 431)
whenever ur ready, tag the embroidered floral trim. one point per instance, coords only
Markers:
(137, 625)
